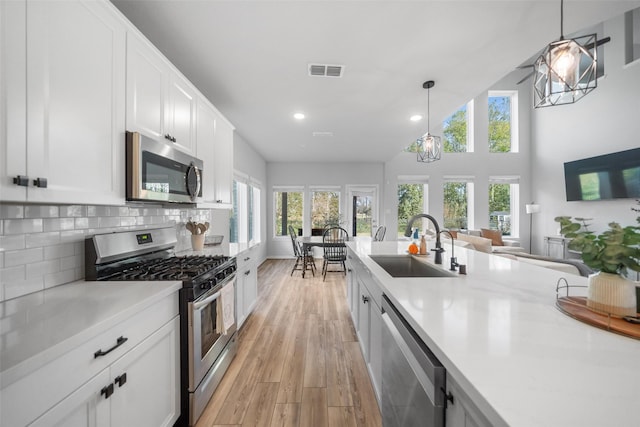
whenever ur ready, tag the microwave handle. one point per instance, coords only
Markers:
(198, 181)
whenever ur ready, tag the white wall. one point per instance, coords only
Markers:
(247, 161)
(605, 121)
(480, 164)
(310, 174)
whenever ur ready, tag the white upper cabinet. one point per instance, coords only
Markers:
(223, 161)
(215, 148)
(205, 138)
(68, 141)
(161, 103)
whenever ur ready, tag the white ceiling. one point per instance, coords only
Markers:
(250, 59)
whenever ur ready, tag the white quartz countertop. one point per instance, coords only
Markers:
(37, 328)
(498, 333)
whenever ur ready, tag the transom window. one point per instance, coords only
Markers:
(456, 136)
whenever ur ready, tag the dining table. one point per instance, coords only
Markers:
(310, 241)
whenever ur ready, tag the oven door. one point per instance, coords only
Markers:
(207, 338)
(157, 171)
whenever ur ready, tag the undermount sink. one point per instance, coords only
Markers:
(408, 266)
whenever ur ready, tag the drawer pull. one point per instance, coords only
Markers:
(22, 181)
(246, 273)
(107, 391)
(365, 299)
(119, 342)
(121, 379)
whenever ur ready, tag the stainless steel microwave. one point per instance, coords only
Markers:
(156, 171)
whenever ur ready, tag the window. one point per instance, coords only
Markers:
(325, 208)
(458, 199)
(254, 215)
(503, 205)
(238, 224)
(632, 36)
(244, 224)
(456, 136)
(288, 210)
(412, 200)
(503, 113)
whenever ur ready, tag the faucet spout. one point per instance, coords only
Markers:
(407, 232)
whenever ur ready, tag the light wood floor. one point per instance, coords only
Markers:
(299, 362)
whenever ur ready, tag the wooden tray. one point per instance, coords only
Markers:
(576, 307)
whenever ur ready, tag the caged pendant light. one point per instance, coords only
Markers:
(566, 70)
(428, 146)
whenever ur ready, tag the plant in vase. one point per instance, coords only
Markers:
(612, 253)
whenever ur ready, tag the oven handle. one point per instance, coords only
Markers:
(200, 304)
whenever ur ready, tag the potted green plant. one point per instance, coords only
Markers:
(612, 253)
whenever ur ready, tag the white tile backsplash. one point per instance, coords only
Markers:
(11, 211)
(11, 243)
(58, 224)
(37, 211)
(42, 239)
(21, 226)
(23, 256)
(42, 246)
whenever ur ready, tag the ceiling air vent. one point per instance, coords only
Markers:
(324, 70)
(323, 134)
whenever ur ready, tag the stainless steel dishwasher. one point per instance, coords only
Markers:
(413, 380)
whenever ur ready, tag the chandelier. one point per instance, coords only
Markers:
(428, 146)
(566, 69)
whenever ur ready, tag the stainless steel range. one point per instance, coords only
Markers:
(207, 299)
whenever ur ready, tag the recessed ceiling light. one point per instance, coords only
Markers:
(298, 116)
(415, 118)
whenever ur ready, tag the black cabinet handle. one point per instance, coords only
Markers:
(246, 273)
(247, 258)
(365, 299)
(119, 342)
(40, 182)
(22, 181)
(107, 391)
(448, 396)
(121, 379)
(219, 201)
(170, 138)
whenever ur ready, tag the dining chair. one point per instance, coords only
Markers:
(304, 258)
(335, 250)
(380, 232)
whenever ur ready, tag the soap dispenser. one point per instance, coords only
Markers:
(423, 246)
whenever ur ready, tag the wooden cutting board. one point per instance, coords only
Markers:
(576, 307)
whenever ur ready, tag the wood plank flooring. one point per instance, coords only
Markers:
(299, 363)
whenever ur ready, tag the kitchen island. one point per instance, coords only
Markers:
(499, 335)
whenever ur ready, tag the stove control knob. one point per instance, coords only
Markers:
(203, 286)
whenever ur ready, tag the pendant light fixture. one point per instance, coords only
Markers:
(566, 69)
(428, 145)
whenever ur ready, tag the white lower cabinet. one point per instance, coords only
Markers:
(83, 408)
(247, 286)
(127, 375)
(139, 389)
(366, 296)
(461, 411)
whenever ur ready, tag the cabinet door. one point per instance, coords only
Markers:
(146, 88)
(13, 137)
(250, 289)
(181, 113)
(364, 319)
(75, 102)
(375, 347)
(205, 138)
(223, 160)
(85, 407)
(149, 395)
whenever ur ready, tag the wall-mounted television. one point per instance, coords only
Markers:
(612, 176)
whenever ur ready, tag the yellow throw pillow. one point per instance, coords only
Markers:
(494, 235)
